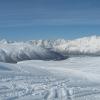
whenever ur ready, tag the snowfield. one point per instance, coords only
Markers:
(76, 78)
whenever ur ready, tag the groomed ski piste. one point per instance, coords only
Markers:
(38, 73)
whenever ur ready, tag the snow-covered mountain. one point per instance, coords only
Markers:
(14, 52)
(86, 45)
(48, 49)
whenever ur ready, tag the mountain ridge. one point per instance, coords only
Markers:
(48, 49)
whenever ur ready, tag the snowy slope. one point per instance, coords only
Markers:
(76, 78)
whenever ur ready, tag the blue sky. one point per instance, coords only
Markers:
(49, 19)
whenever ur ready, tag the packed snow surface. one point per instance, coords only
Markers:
(76, 78)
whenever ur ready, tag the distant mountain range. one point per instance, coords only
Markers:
(48, 49)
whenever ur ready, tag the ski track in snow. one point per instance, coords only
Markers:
(73, 79)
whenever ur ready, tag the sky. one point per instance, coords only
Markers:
(49, 19)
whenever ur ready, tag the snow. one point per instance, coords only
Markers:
(48, 49)
(76, 78)
(87, 45)
(14, 52)
(50, 69)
